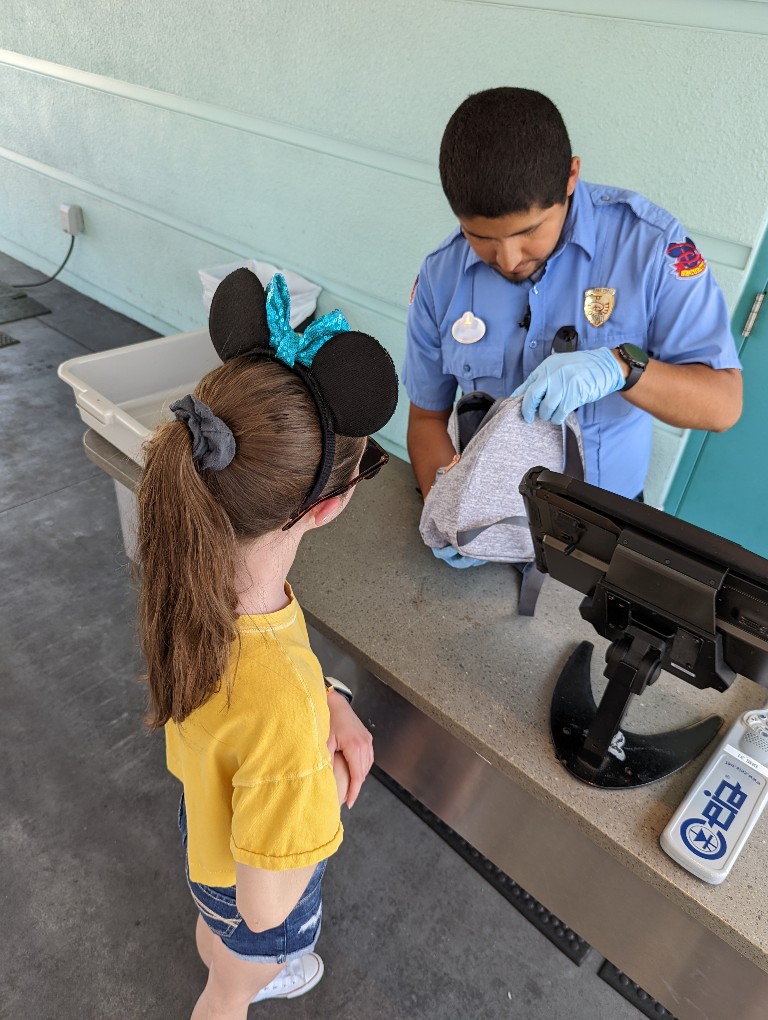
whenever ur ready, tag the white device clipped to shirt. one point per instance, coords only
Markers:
(710, 827)
(468, 329)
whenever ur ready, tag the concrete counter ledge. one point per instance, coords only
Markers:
(456, 689)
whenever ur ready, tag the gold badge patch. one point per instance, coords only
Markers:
(598, 304)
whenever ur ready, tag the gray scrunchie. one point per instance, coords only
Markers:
(213, 445)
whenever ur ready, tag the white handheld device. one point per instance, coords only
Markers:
(707, 832)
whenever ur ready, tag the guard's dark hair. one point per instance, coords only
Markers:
(505, 150)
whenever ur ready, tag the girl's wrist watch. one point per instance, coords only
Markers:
(333, 685)
(636, 359)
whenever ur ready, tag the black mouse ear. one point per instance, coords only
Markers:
(237, 321)
(358, 383)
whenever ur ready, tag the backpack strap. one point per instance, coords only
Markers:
(465, 537)
(530, 586)
(574, 466)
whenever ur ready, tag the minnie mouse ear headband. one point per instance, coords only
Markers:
(349, 375)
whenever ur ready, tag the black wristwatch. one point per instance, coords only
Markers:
(637, 359)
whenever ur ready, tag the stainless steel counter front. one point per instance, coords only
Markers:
(456, 687)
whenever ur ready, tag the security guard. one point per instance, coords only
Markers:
(579, 296)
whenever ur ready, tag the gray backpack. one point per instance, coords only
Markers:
(475, 505)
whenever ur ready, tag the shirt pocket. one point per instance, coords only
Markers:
(470, 362)
(614, 406)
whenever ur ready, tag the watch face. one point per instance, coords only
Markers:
(636, 354)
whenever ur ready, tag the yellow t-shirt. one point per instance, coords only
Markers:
(258, 781)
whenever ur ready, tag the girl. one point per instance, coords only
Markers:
(269, 447)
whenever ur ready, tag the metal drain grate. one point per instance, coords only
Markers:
(7, 341)
(559, 934)
(633, 993)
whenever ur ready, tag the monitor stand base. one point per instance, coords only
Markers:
(588, 738)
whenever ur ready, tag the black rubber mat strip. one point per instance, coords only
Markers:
(7, 341)
(559, 934)
(633, 993)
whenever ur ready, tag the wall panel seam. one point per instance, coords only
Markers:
(732, 17)
(236, 248)
(724, 251)
(302, 138)
(719, 250)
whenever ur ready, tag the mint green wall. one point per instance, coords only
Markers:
(306, 135)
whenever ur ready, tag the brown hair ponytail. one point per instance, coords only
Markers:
(191, 522)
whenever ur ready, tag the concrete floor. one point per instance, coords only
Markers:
(98, 921)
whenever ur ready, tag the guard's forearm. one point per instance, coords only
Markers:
(689, 396)
(429, 446)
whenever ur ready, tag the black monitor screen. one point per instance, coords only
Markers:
(704, 595)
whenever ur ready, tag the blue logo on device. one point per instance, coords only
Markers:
(705, 837)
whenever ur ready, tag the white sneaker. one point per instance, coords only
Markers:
(296, 978)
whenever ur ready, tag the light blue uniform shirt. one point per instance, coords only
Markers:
(664, 302)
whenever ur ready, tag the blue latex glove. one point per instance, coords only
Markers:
(563, 382)
(454, 558)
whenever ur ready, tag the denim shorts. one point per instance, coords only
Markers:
(218, 908)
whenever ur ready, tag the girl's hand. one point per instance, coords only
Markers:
(352, 739)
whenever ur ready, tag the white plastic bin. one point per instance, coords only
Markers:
(303, 293)
(122, 394)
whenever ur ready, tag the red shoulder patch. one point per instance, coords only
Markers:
(685, 258)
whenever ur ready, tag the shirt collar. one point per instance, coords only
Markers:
(579, 227)
(471, 258)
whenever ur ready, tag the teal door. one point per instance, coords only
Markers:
(722, 481)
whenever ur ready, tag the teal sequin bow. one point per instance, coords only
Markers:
(288, 346)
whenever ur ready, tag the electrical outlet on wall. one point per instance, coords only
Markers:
(71, 219)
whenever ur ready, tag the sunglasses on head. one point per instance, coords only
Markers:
(373, 460)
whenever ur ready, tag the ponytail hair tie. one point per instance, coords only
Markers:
(213, 445)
